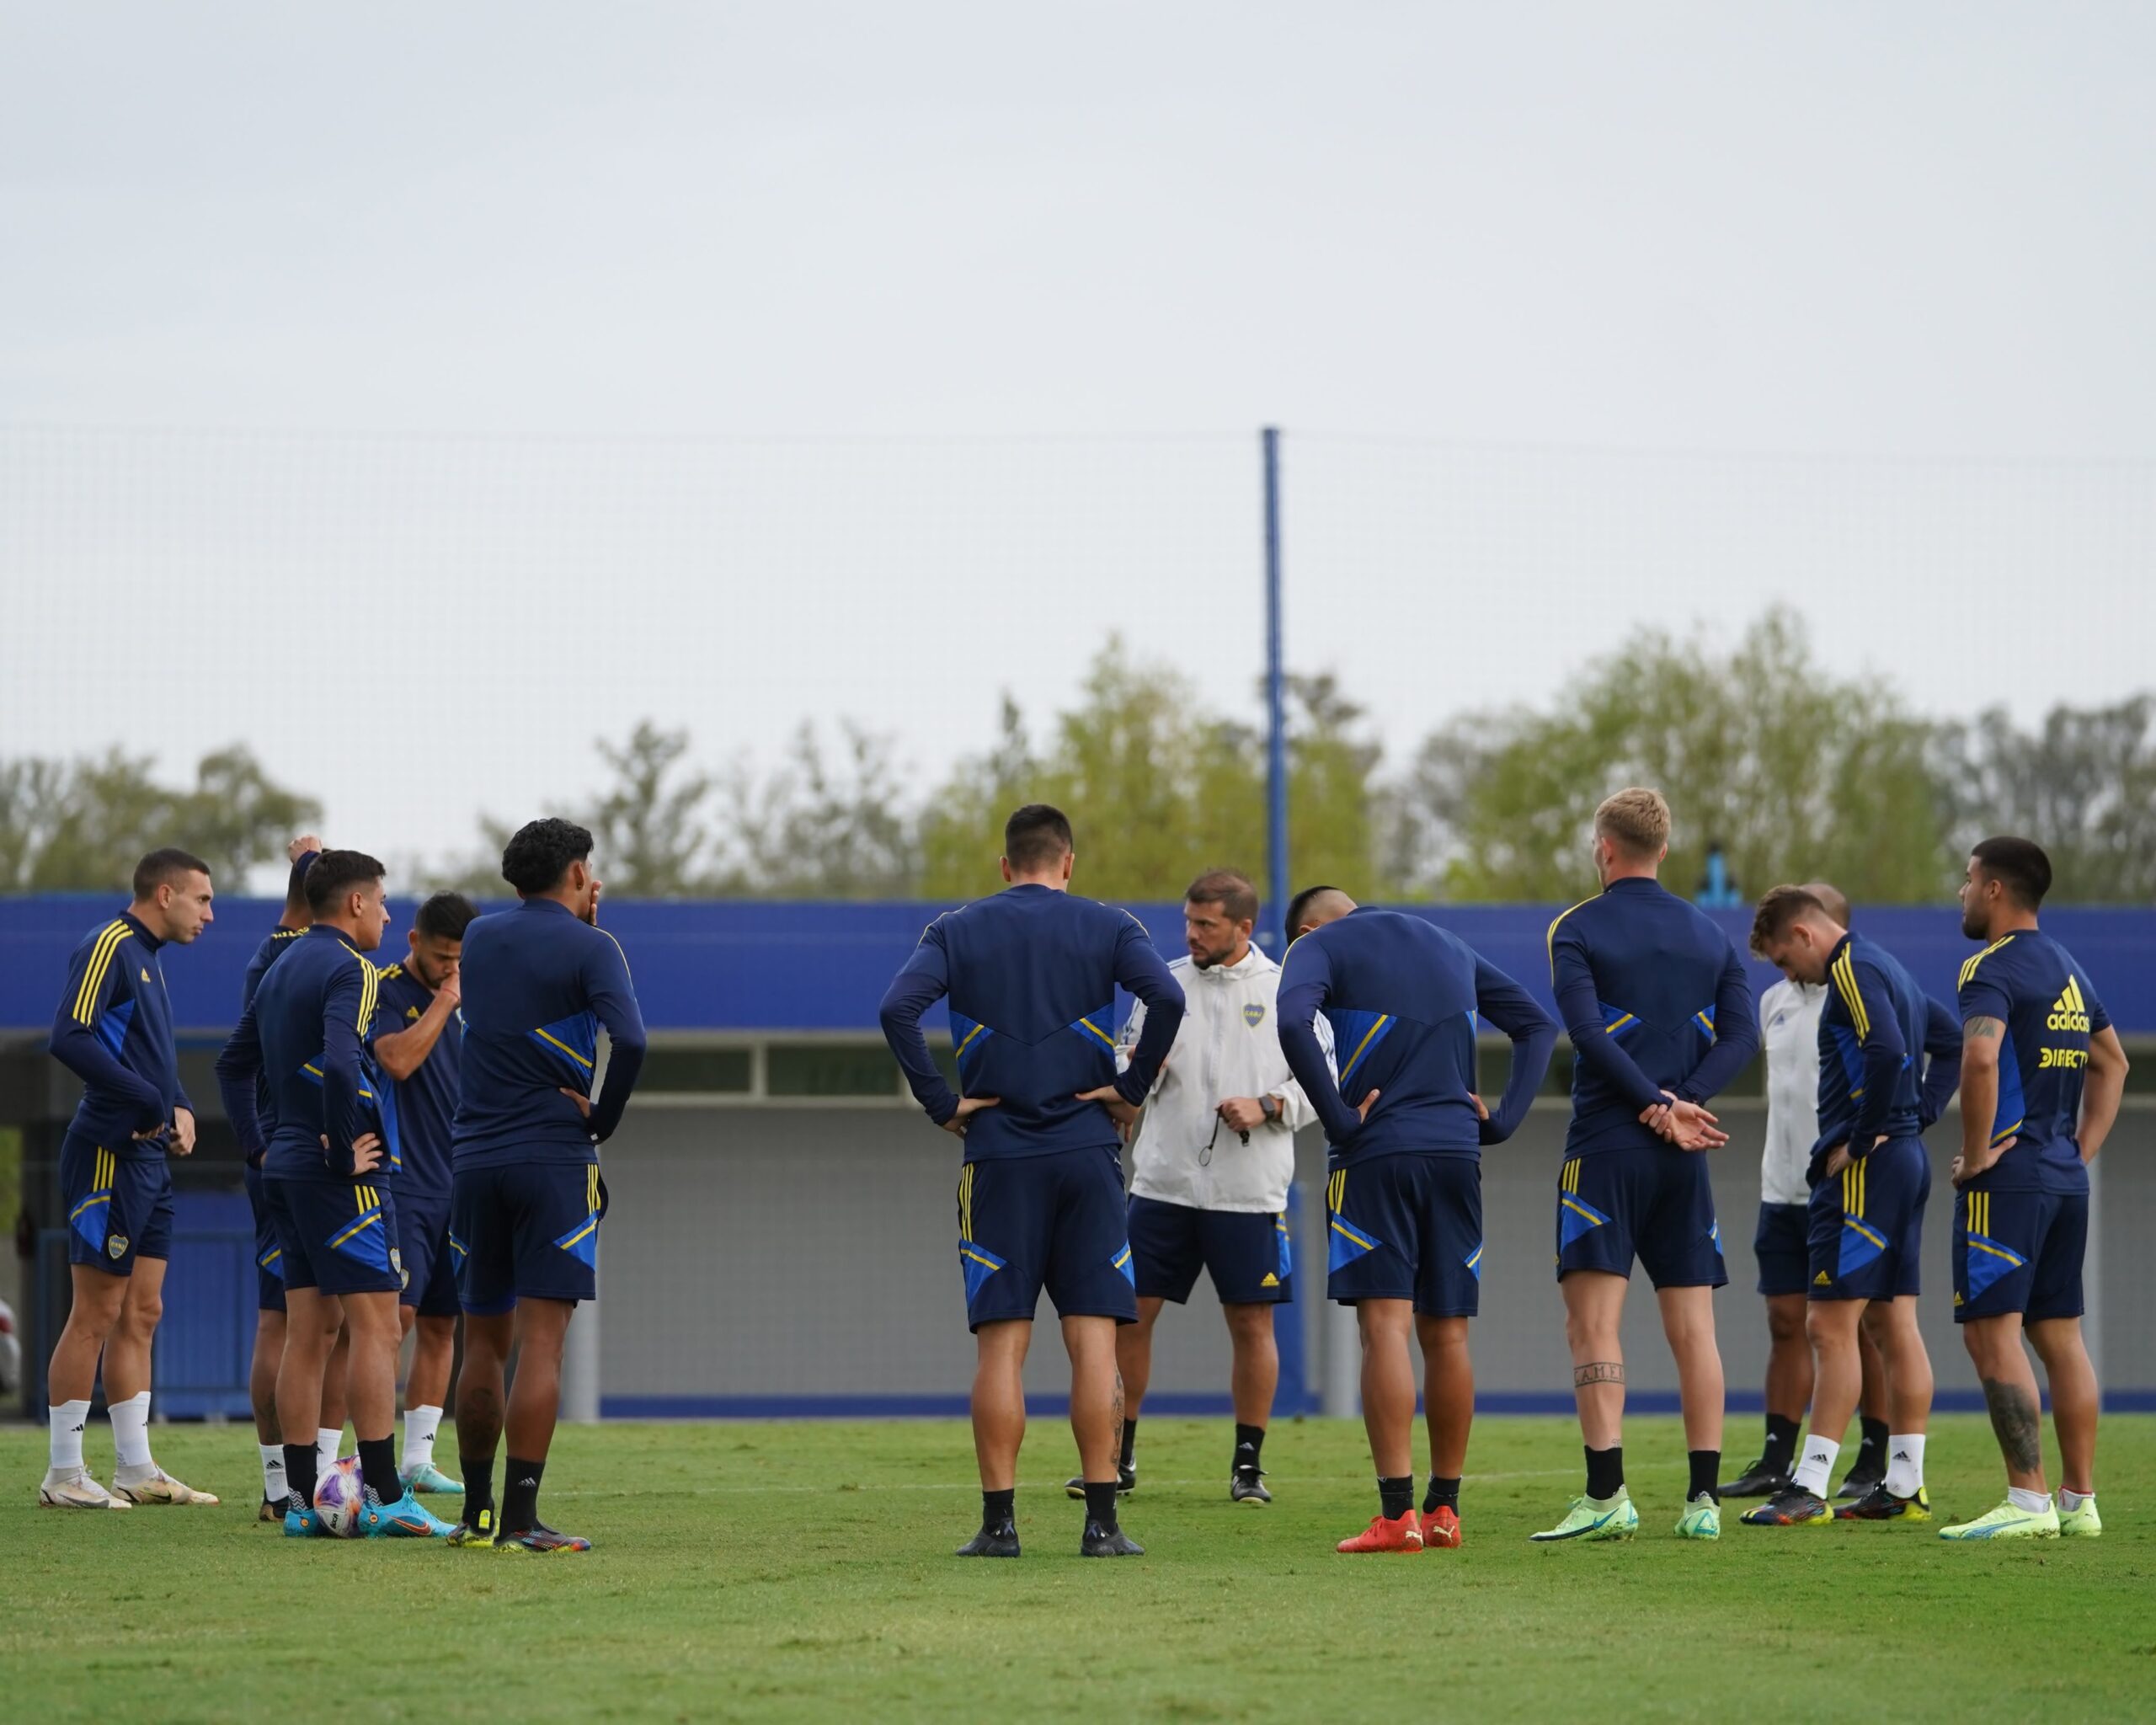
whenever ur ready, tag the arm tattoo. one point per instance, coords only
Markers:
(2014, 1418)
(1982, 1029)
(1600, 1371)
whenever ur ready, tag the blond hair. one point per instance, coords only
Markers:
(1636, 820)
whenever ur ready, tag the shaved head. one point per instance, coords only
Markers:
(1314, 906)
(1830, 900)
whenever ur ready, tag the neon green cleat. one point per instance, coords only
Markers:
(2082, 1524)
(1595, 1519)
(1701, 1519)
(2007, 1523)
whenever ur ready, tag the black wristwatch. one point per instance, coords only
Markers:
(1269, 1108)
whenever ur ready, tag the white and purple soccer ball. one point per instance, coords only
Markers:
(338, 1498)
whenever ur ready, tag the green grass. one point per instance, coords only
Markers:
(801, 1571)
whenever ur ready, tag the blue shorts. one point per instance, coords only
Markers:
(1652, 1202)
(1864, 1227)
(1406, 1227)
(1058, 1222)
(525, 1231)
(1245, 1252)
(1779, 1244)
(119, 1207)
(336, 1237)
(268, 1255)
(2020, 1252)
(429, 1271)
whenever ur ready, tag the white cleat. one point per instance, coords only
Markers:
(160, 1488)
(76, 1491)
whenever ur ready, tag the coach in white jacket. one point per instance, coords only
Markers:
(1211, 1167)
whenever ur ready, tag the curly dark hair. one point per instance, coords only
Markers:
(540, 855)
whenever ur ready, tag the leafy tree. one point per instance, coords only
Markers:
(819, 828)
(83, 825)
(648, 828)
(2083, 784)
(1797, 773)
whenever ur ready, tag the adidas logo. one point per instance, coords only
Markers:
(1822, 1280)
(1901, 1455)
(1270, 1281)
(84, 1426)
(2070, 1011)
(1821, 1457)
(533, 1482)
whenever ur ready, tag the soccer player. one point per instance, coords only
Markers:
(1654, 998)
(2041, 1075)
(1405, 1129)
(113, 1031)
(417, 1041)
(1211, 1167)
(1788, 1031)
(538, 982)
(1869, 1177)
(1031, 975)
(328, 1162)
(270, 1280)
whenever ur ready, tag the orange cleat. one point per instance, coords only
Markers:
(1441, 1528)
(1402, 1533)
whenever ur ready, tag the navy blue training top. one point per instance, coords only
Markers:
(425, 1103)
(2034, 986)
(1031, 975)
(1875, 1027)
(113, 1030)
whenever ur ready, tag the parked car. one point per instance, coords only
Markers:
(11, 1353)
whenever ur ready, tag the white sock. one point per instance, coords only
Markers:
(131, 1431)
(1905, 1464)
(2029, 1503)
(68, 1419)
(274, 1487)
(420, 1425)
(1818, 1464)
(326, 1440)
(2075, 1500)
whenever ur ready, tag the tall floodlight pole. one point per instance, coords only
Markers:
(1274, 938)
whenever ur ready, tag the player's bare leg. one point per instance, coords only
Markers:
(999, 1422)
(1134, 1360)
(1254, 1378)
(426, 1394)
(136, 1477)
(1688, 1321)
(262, 1397)
(1387, 1328)
(1876, 1407)
(312, 1322)
(1096, 1423)
(1594, 1311)
(2075, 1399)
(481, 1402)
(1789, 1358)
(1837, 1380)
(1449, 1411)
(2009, 1386)
(334, 1411)
(70, 1376)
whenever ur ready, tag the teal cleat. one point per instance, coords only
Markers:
(407, 1519)
(2007, 1523)
(2082, 1524)
(304, 1524)
(1594, 1519)
(1701, 1519)
(427, 1478)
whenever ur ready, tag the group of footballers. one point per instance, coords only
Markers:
(1367, 1027)
(421, 1141)
(422, 1148)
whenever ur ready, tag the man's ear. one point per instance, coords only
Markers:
(1005, 864)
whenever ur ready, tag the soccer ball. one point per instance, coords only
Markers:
(338, 1498)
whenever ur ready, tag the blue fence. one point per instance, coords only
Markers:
(750, 966)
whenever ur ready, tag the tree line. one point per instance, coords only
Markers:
(1791, 771)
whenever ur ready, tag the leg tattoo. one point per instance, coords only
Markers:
(1601, 1371)
(2014, 1418)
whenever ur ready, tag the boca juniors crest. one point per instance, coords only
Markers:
(116, 1246)
(1254, 1014)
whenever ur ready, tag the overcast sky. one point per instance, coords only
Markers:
(415, 393)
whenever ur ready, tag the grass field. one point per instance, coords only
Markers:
(801, 1571)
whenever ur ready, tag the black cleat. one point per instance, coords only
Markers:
(1860, 1484)
(1109, 1542)
(1758, 1481)
(540, 1538)
(991, 1542)
(1794, 1507)
(1126, 1482)
(1880, 1504)
(1243, 1487)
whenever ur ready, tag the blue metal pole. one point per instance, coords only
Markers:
(1273, 939)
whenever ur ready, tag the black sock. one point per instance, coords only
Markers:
(1781, 1444)
(1395, 1497)
(378, 1468)
(1605, 1472)
(1129, 1440)
(299, 1460)
(999, 1510)
(1707, 1468)
(479, 1489)
(520, 1495)
(1871, 1452)
(1249, 1440)
(1443, 1494)
(1100, 1504)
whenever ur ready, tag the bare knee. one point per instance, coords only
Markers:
(1249, 1325)
(1784, 1324)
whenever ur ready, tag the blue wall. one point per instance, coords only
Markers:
(750, 966)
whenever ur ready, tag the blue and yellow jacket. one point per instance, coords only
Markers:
(1031, 975)
(113, 1031)
(1875, 1026)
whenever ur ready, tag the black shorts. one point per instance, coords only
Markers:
(118, 1205)
(430, 1267)
(2020, 1252)
(525, 1231)
(1247, 1252)
(1652, 1202)
(1406, 1227)
(268, 1255)
(1779, 1244)
(338, 1236)
(1058, 1222)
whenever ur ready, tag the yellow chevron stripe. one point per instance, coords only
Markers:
(565, 1048)
(1969, 970)
(86, 996)
(1384, 1018)
(1560, 916)
(1852, 995)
